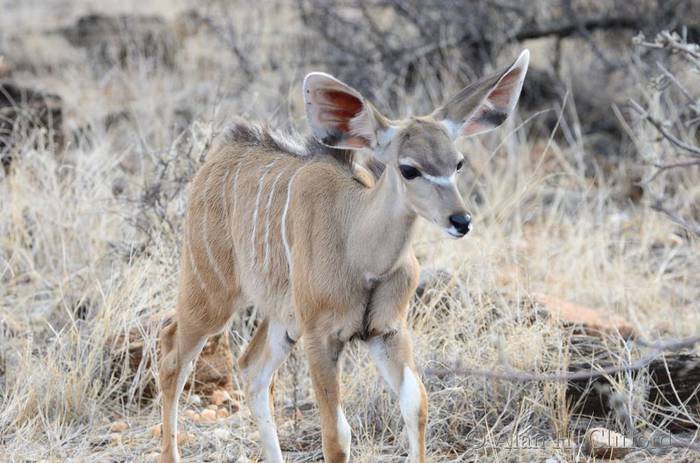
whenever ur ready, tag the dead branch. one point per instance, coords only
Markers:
(514, 375)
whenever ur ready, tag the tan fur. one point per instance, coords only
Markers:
(319, 241)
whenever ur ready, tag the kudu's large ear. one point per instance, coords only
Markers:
(486, 103)
(340, 117)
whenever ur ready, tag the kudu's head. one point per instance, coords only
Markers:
(420, 151)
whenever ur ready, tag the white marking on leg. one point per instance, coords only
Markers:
(283, 224)
(187, 365)
(277, 347)
(344, 432)
(377, 350)
(266, 259)
(255, 212)
(410, 404)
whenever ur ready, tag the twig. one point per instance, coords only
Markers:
(692, 150)
(676, 219)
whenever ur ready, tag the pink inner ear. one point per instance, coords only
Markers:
(343, 100)
(501, 95)
(339, 108)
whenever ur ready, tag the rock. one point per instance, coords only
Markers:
(222, 414)
(604, 443)
(119, 426)
(597, 322)
(213, 370)
(208, 416)
(219, 397)
(156, 431)
(28, 114)
(123, 39)
(115, 438)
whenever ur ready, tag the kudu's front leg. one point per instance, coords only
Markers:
(323, 352)
(393, 354)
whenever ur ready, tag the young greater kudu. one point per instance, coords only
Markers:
(288, 227)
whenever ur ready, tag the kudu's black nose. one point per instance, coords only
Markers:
(461, 223)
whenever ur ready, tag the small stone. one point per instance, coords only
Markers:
(604, 443)
(189, 414)
(156, 431)
(222, 413)
(119, 426)
(212, 407)
(116, 438)
(219, 397)
(197, 418)
(208, 416)
(195, 399)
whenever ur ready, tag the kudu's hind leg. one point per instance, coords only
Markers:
(263, 356)
(179, 353)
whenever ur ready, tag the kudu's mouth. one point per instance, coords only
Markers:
(452, 232)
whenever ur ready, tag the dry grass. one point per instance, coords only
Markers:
(89, 245)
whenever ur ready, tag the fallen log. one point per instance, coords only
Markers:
(672, 386)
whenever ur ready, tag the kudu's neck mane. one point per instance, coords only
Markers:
(295, 144)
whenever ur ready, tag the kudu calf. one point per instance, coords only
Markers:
(288, 227)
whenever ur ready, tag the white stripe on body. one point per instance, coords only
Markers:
(235, 191)
(255, 211)
(266, 259)
(283, 224)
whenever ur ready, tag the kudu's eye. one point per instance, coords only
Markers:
(409, 172)
(460, 164)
